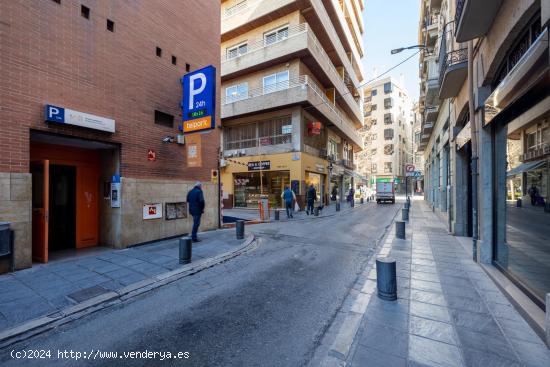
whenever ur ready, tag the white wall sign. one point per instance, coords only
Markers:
(65, 116)
(152, 211)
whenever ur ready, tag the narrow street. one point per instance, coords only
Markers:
(268, 307)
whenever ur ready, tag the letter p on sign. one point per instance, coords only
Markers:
(193, 89)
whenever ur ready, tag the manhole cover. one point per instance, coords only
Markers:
(87, 293)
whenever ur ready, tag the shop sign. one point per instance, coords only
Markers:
(152, 211)
(287, 129)
(259, 165)
(384, 180)
(320, 167)
(199, 100)
(241, 181)
(314, 128)
(62, 115)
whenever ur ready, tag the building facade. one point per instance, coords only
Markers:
(291, 102)
(500, 64)
(90, 100)
(388, 139)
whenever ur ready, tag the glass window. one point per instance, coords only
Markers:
(388, 149)
(332, 149)
(387, 88)
(276, 35)
(374, 92)
(240, 136)
(237, 50)
(388, 134)
(275, 82)
(387, 167)
(236, 92)
(388, 119)
(373, 107)
(275, 131)
(387, 103)
(373, 151)
(374, 168)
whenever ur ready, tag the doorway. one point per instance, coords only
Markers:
(62, 219)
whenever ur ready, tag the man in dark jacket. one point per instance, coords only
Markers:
(311, 196)
(195, 200)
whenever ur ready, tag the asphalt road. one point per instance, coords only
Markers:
(268, 307)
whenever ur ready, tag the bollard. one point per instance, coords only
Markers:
(547, 207)
(352, 203)
(185, 250)
(277, 214)
(518, 203)
(406, 205)
(433, 208)
(547, 320)
(362, 201)
(409, 201)
(239, 227)
(337, 207)
(368, 199)
(316, 211)
(386, 279)
(405, 214)
(400, 229)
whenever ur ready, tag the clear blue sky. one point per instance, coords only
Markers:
(391, 24)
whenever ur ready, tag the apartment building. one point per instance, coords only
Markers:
(291, 101)
(91, 98)
(387, 134)
(489, 129)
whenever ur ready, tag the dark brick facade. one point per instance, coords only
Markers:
(51, 54)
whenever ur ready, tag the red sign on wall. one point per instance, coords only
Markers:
(151, 155)
(314, 128)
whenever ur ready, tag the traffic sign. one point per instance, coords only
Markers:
(413, 174)
(409, 168)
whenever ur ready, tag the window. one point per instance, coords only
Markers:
(387, 167)
(238, 50)
(388, 119)
(373, 92)
(159, 52)
(275, 131)
(387, 88)
(374, 168)
(387, 103)
(85, 11)
(374, 137)
(388, 149)
(275, 82)
(276, 35)
(388, 134)
(174, 60)
(332, 149)
(236, 92)
(164, 119)
(373, 122)
(373, 107)
(187, 67)
(373, 151)
(110, 25)
(240, 137)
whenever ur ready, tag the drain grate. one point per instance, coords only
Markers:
(87, 293)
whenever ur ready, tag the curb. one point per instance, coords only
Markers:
(66, 315)
(339, 348)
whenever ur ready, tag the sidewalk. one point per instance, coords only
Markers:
(46, 289)
(449, 312)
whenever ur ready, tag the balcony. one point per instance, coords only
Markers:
(300, 41)
(297, 91)
(473, 18)
(453, 73)
(431, 113)
(431, 27)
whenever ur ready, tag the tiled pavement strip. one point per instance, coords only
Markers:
(448, 312)
(46, 289)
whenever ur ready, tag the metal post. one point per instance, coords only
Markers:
(316, 211)
(277, 214)
(386, 278)
(405, 214)
(337, 206)
(362, 201)
(400, 229)
(239, 227)
(185, 250)
(518, 203)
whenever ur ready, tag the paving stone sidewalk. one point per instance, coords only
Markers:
(449, 312)
(47, 288)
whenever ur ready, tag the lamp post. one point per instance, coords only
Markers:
(398, 50)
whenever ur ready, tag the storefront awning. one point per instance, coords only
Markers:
(524, 167)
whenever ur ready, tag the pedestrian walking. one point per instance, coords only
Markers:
(288, 198)
(195, 201)
(533, 193)
(334, 193)
(351, 195)
(311, 196)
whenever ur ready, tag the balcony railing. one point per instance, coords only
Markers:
(237, 8)
(452, 58)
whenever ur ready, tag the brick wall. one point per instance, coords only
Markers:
(52, 54)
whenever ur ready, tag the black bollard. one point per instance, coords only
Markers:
(316, 211)
(405, 214)
(362, 201)
(386, 279)
(406, 205)
(547, 207)
(518, 203)
(400, 229)
(337, 207)
(239, 227)
(185, 250)
(277, 214)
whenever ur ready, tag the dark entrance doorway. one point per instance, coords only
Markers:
(62, 220)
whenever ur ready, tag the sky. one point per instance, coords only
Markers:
(391, 24)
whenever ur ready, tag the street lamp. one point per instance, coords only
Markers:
(398, 50)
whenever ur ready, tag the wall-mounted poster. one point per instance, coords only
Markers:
(176, 210)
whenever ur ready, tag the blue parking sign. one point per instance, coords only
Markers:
(199, 100)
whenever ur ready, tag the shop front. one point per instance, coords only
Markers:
(248, 186)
